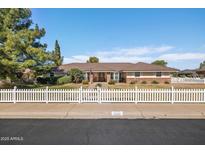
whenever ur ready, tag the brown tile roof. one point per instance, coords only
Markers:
(140, 66)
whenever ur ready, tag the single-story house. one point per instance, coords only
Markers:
(122, 72)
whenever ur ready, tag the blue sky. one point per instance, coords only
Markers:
(126, 35)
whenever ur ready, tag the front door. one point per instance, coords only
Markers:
(101, 77)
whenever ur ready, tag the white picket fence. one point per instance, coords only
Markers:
(99, 95)
(188, 80)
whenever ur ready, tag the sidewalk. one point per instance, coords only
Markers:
(95, 111)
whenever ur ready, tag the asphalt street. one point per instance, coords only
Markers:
(102, 131)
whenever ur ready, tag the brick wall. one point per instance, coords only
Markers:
(149, 80)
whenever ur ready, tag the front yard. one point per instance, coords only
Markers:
(105, 85)
(157, 86)
(125, 86)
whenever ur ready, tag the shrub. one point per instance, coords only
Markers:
(42, 80)
(189, 75)
(182, 76)
(47, 80)
(175, 74)
(99, 85)
(166, 82)
(154, 82)
(76, 75)
(64, 79)
(52, 79)
(144, 82)
(133, 82)
(85, 82)
(111, 82)
(5, 84)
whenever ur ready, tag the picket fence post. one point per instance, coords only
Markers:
(14, 94)
(172, 101)
(99, 95)
(80, 94)
(46, 94)
(136, 95)
(204, 95)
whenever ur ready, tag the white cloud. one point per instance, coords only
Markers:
(122, 54)
(182, 56)
(138, 51)
(77, 58)
(122, 58)
(83, 58)
(143, 54)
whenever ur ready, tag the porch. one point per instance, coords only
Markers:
(105, 76)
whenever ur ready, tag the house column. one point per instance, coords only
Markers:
(91, 77)
(108, 76)
(86, 76)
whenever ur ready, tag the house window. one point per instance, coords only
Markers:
(158, 74)
(137, 74)
(116, 76)
(131, 74)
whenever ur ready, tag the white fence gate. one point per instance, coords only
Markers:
(99, 95)
(188, 80)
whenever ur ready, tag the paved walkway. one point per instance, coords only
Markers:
(95, 111)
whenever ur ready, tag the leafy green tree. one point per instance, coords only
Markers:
(20, 45)
(160, 62)
(76, 75)
(57, 55)
(93, 60)
(202, 64)
(63, 80)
